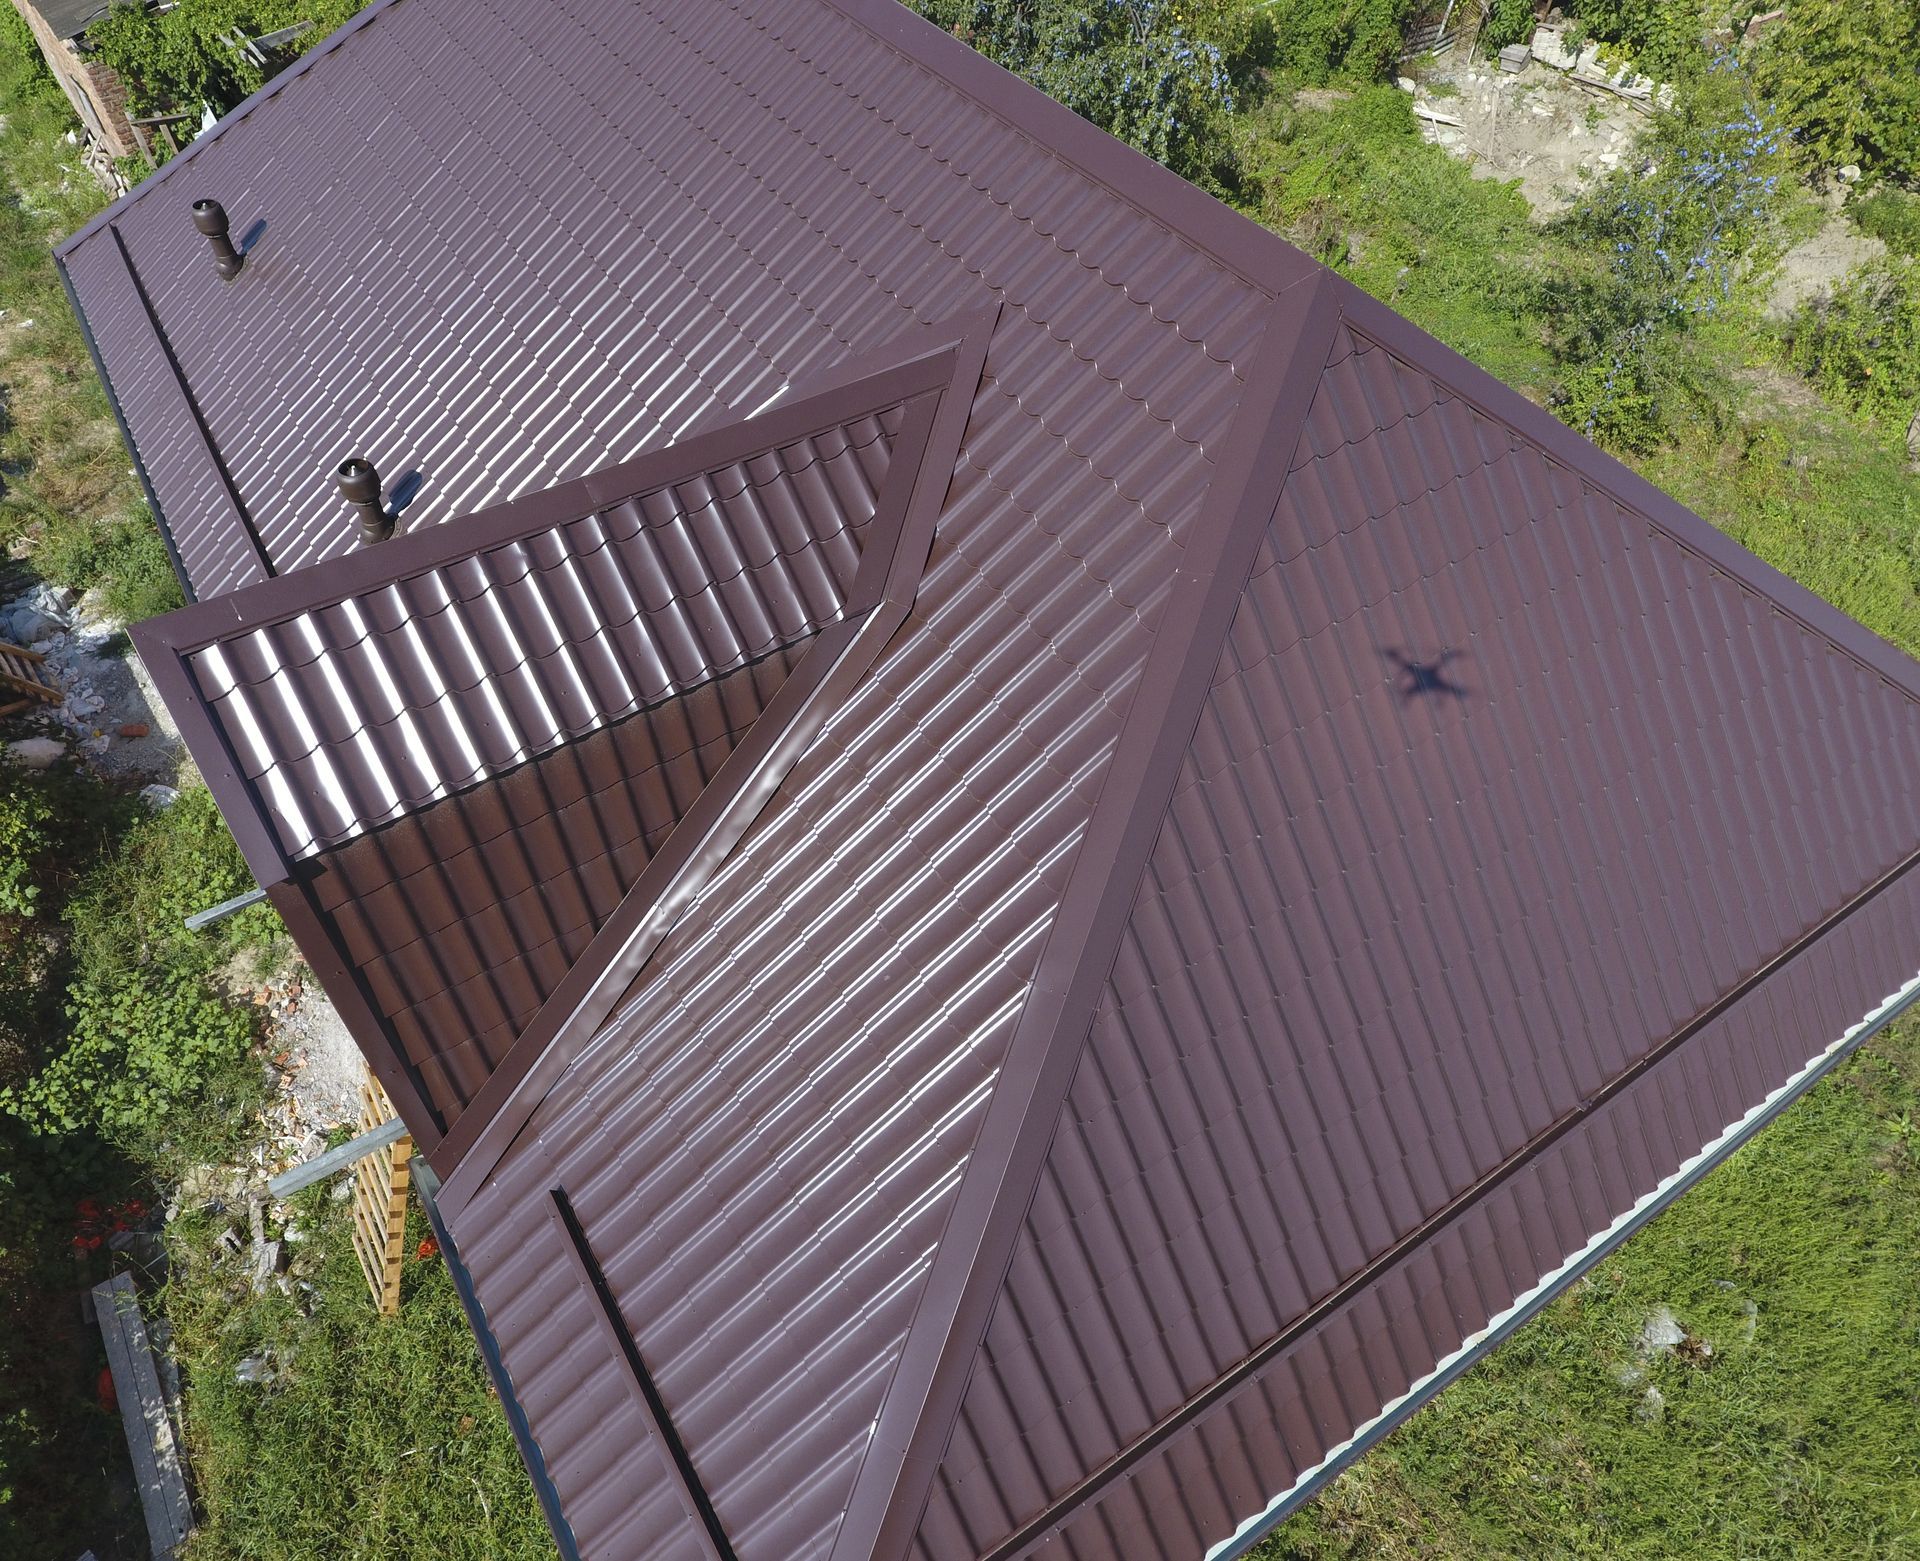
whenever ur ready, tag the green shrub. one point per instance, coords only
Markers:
(26, 836)
(1863, 344)
(1133, 67)
(1318, 41)
(1663, 36)
(174, 60)
(121, 554)
(1353, 184)
(148, 1035)
(1893, 217)
(1508, 21)
(1846, 76)
(1656, 252)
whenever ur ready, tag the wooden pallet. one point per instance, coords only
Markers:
(380, 1182)
(143, 1411)
(24, 673)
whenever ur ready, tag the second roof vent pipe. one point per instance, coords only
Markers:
(360, 487)
(210, 217)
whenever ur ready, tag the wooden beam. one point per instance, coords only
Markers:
(143, 1412)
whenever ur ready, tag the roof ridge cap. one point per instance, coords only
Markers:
(969, 1266)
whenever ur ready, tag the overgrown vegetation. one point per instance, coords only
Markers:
(66, 492)
(178, 58)
(1863, 344)
(370, 1439)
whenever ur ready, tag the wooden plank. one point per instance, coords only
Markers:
(143, 1413)
(380, 1182)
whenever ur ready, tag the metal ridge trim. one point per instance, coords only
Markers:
(517, 1422)
(899, 542)
(653, 1408)
(1501, 403)
(1255, 254)
(969, 1265)
(890, 378)
(1499, 1329)
(126, 432)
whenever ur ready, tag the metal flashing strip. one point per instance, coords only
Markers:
(1497, 1330)
(652, 1407)
(969, 1265)
(126, 431)
(616, 959)
(198, 417)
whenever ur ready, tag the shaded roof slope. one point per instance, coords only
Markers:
(1487, 810)
(1278, 852)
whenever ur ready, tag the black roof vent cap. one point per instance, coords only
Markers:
(210, 217)
(360, 487)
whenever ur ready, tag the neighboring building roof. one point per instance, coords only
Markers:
(1258, 854)
(69, 18)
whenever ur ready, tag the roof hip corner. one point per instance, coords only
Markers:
(969, 1266)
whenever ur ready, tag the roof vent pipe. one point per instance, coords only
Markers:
(210, 217)
(360, 487)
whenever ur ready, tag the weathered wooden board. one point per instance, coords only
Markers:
(143, 1411)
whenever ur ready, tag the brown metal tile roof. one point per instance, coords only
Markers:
(1256, 856)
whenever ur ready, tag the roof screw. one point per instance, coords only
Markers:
(210, 217)
(360, 487)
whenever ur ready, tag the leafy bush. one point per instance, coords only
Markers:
(1893, 217)
(1863, 345)
(26, 817)
(174, 59)
(1660, 247)
(1133, 67)
(1846, 76)
(1663, 36)
(1318, 41)
(1508, 21)
(148, 1034)
(121, 554)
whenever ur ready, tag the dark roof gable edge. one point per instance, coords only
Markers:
(969, 1266)
(925, 457)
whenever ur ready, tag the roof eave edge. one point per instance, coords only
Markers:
(1499, 1329)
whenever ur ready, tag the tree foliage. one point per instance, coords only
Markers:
(1863, 344)
(1136, 68)
(1846, 75)
(1664, 242)
(174, 59)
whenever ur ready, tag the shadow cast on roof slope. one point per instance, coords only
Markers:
(1207, 859)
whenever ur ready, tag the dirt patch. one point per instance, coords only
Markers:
(1810, 270)
(1539, 126)
(110, 713)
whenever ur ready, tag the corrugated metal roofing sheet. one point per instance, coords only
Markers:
(1224, 943)
(1443, 865)
(361, 710)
